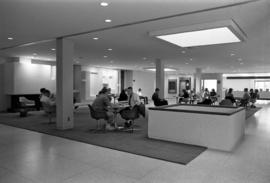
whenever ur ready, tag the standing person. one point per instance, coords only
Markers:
(100, 106)
(132, 111)
(158, 101)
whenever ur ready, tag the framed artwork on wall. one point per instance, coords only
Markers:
(172, 86)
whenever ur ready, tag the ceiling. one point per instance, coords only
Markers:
(40, 22)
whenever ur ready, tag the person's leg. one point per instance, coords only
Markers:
(110, 122)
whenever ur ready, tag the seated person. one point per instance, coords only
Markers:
(253, 97)
(47, 98)
(100, 106)
(184, 97)
(229, 95)
(158, 101)
(206, 98)
(245, 99)
(213, 95)
(145, 98)
(123, 96)
(132, 111)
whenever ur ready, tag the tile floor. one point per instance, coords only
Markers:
(31, 157)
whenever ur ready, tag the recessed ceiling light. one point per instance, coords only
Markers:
(232, 54)
(186, 63)
(202, 34)
(241, 63)
(190, 59)
(183, 51)
(109, 49)
(111, 61)
(105, 56)
(104, 4)
(144, 58)
(10, 38)
(108, 20)
(34, 54)
(53, 49)
(239, 59)
(95, 38)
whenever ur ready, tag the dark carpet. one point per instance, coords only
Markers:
(251, 111)
(135, 143)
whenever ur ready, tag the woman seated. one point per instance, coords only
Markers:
(229, 95)
(206, 98)
(123, 96)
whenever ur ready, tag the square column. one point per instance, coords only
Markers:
(197, 80)
(64, 84)
(160, 77)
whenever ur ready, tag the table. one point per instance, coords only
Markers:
(116, 108)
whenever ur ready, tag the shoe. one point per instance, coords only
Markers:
(109, 127)
(128, 123)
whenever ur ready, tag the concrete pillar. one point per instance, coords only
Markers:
(197, 80)
(220, 86)
(77, 81)
(160, 77)
(64, 84)
(128, 78)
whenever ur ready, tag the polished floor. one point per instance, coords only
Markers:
(31, 157)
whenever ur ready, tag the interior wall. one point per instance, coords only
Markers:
(238, 84)
(145, 81)
(29, 78)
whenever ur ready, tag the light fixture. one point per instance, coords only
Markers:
(104, 4)
(144, 58)
(108, 20)
(165, 69)
(53, 49)
(105, 56)
(232, 54)
(239, 59)
(95, 38)
(10, 38)
(190, 59)
(202, 34)
(34, 54)
(183, 51)
(111, 61)
(241, 63)
(109, 49)
(186, 63)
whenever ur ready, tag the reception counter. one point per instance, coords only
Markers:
(215, 127)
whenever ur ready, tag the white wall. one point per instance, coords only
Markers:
(238, 84)
(23, 78)
(144, 80)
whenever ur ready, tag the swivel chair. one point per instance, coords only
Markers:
(94, 115)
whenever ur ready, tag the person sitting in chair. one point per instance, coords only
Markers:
(131, 112)
(246, 98)
(144, 98)
(123, 96)
(100, 106)
(229, 95)
(158, 101)
(184, 97)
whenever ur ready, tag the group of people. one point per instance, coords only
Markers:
(102, 104)
(248, 96)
